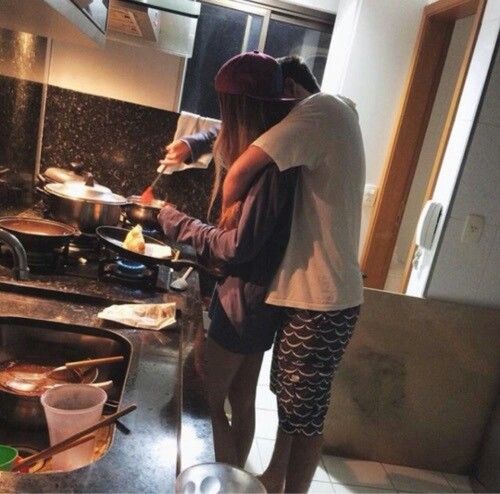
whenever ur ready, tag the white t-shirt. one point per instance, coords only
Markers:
(320, 269)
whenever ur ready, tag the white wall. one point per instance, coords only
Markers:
(470, 272)
(369, 59)
(447, 179)
(127, 73)
(444, 93)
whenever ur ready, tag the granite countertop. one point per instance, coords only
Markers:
(170, 428)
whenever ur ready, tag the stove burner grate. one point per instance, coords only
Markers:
(130, 270)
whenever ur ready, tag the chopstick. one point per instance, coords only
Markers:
(93, 362)
(49, 452)
(46, 453)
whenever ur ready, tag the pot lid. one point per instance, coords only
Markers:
(79, 190)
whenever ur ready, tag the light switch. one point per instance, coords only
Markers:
(473, 229)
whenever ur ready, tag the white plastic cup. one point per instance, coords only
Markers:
(69, 409)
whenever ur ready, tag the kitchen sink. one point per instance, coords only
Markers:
(57, 342)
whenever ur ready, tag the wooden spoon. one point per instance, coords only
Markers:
(148, 195)
(86, 363)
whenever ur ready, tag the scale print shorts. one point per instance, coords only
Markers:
(307, 351)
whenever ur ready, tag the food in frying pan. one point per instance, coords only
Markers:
(134, 240)
(158, 251)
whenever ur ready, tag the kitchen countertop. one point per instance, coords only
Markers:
(170, 429)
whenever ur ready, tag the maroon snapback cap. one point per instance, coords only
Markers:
(252, 74)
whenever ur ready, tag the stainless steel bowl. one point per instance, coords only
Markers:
(142, 214)
(212, 478)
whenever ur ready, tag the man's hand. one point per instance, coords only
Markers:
(241, 174)
(178, 152)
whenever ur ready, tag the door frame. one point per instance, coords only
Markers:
(429, 55)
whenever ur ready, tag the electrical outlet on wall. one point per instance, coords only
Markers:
(473, 229)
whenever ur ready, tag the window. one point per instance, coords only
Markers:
(228, 27)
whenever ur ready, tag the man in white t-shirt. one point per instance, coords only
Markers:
(319, 280)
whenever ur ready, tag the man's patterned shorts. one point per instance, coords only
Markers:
(307, 351)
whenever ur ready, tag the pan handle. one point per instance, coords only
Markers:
(178, 264)
(42, 191)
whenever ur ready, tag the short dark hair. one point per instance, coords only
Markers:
(295, 68)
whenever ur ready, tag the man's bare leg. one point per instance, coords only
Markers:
(303, 461)
(275, 474)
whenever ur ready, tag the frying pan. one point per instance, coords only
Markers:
(113, 237)
(37, 234)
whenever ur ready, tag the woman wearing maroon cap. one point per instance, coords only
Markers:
(249, 246)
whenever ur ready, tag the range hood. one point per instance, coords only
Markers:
(165, 25)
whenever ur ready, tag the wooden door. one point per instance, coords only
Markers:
(436, 28)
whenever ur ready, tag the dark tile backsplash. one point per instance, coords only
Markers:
(120, 143)
(22, 58)
(19, 120)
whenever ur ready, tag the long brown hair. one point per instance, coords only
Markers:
(243, 120)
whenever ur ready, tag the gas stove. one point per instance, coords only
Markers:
(86, 269)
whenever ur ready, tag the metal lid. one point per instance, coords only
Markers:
(92, 193)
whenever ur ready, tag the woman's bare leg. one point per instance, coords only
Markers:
(242, 399)
(221, 367)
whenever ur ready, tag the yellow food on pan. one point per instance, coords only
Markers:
(134, 240)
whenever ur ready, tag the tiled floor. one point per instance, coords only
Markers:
(337, 475)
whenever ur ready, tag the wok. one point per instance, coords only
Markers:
(39, 235)
(113, 237)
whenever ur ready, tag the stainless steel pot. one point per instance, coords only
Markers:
(142, 214)
(84, 205)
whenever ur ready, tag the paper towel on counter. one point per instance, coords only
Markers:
(144, 316)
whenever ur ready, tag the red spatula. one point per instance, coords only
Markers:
(148, 195)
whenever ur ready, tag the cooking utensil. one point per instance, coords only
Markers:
(180, 284)
(84, 205)
(113, 238)
(106, 385)
(23, 408)
(24, 465)
(146, 215)
(148, 195)
(56, 448)
(86, 363)
(36, 234)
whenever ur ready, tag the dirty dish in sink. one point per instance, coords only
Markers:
(8, 457)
